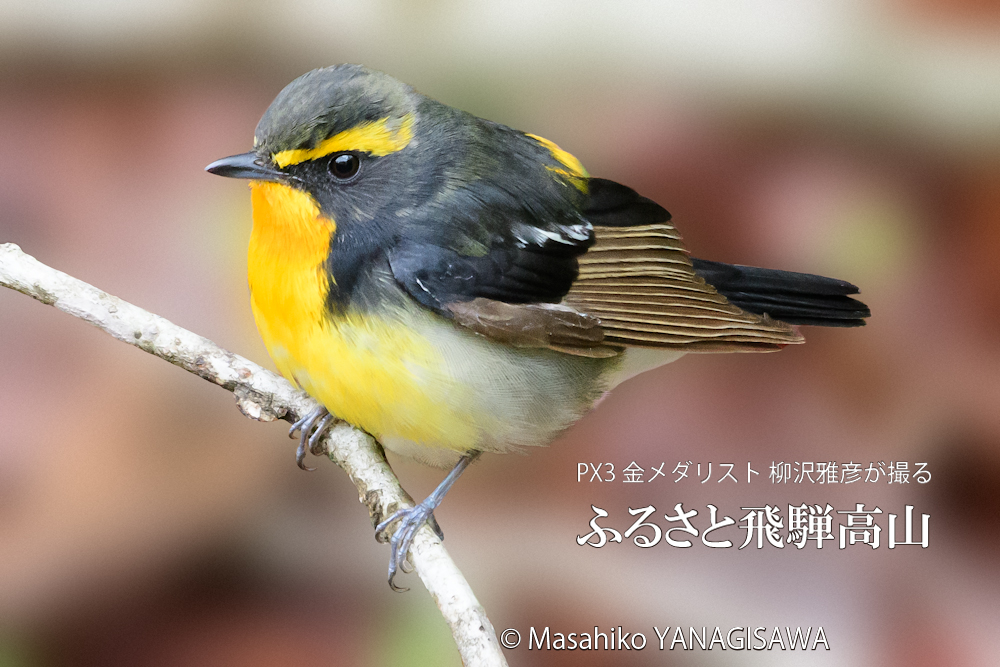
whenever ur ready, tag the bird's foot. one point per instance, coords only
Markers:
(410, 519)
(311, 428)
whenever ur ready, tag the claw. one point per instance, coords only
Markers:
(298, 425)
(436, 527)
(412, 518)
(310, 428)
(316, 440)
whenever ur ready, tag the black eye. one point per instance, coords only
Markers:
(344, 165)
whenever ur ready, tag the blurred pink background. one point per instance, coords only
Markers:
(144, 521)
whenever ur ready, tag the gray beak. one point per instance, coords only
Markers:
(246, 165)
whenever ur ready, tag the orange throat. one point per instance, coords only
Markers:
(288, 283)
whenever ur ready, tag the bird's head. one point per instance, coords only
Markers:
(346, 135)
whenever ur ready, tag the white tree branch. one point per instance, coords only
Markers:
(265, 396)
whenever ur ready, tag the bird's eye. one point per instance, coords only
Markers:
(344, 166)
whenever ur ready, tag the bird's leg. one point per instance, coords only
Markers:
(411, 518)
(311, 428)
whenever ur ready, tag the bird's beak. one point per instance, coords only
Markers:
(246, 165)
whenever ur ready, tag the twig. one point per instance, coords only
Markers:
(264, 396)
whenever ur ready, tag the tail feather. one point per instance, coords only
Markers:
(796, 298)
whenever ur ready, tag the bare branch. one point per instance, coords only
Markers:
(265, 396)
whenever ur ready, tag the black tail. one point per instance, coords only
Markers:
(796, 298)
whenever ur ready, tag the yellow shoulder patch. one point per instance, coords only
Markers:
(574, 172)
(375, 138)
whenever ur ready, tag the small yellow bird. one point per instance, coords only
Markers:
(453, 286)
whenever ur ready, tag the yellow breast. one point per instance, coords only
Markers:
(373, 369)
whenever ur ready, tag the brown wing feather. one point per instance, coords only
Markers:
(636, 287)
(639, 282)
(534, 325)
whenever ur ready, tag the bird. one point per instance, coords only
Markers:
(454, 286)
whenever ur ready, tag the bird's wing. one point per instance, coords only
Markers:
(615, 276)
(497, 255)
(541, 270)
(510, 292)
(640, 282)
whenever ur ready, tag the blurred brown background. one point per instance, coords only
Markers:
(144, 521)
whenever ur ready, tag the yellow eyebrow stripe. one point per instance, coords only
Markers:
(375, 138)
